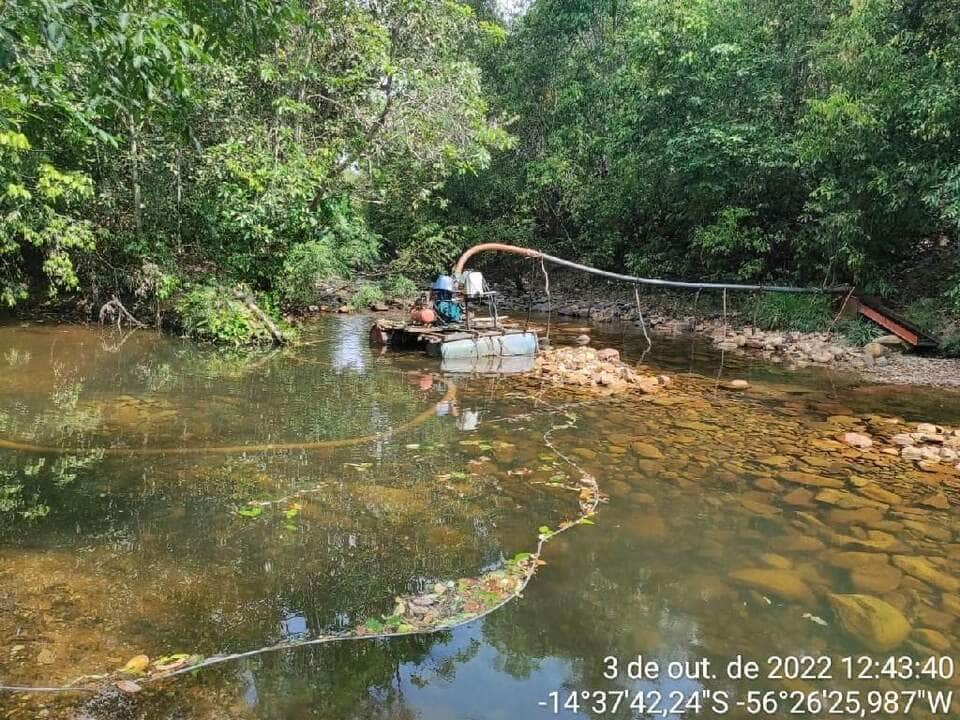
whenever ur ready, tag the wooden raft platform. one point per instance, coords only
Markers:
(455, 341)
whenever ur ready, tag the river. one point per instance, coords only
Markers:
(160, 498)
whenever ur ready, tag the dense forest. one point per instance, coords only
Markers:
(164, 150)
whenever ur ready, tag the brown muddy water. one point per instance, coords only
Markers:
(732, 520)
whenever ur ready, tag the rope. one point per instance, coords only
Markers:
(420, 419)
(723, 350)
(693, 341)
(546, 280)
(588, 508)
(643, 325)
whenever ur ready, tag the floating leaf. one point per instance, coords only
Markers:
(373, 625)
(586, 521)
(128, 686)
(136, 665)
(250, 512)
(544, 530)
(171, 662)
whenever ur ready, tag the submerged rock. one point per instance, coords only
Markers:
(646, 450)
(923, 569)
(875, 623)
(804, 478)
(784, 584)
(878, 578)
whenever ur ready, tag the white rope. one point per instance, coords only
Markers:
(723, 349)
(546, 281)
(643, 325)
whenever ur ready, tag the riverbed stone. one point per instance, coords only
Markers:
(875, 623)
(928, 616)
(778, 562)
(775, 460)
(847, 500)
(934, 532)
(933, 639)
(911, 453)
(922, 569)
(857, 440)
(799, 497)
(937, 500)
(767, 483)
(646, 450)
(876, 578)
(854, 559)
(759, 508)
(783, 584)
(805, 478)
(860, 516)
(875, 492)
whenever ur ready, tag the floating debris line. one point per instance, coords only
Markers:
(451, 605)
(415, 422)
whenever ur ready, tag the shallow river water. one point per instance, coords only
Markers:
(128, 467)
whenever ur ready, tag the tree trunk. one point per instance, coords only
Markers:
(135, 176)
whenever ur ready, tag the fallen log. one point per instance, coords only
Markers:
(114, 311)
(247, 299)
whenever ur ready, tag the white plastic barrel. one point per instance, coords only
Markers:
(473, 283)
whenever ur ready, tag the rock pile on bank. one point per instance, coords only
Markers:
(601, 370)
(805, 348)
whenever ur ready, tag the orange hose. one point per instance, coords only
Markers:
(500, 247)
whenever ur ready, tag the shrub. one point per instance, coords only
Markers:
(309, 266)
(788, 311)
(213, 313)
(432, 249)
(731, 245)
(366, 296)
(928, 313)
(400, 286)
(859, 331)
(950, 345)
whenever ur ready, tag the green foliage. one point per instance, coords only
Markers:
(400, 287)
(730, 248)
(859, 330)
(247, 140)
(366, 296)
(929, 313)
(784, 311)
(213, 313)
(796, 141)
(432, 249)
(939, 316)
(40, 234)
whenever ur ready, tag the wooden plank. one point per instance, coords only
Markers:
(893, 326)
(911, 333)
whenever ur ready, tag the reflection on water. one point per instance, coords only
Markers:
(732, 519)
